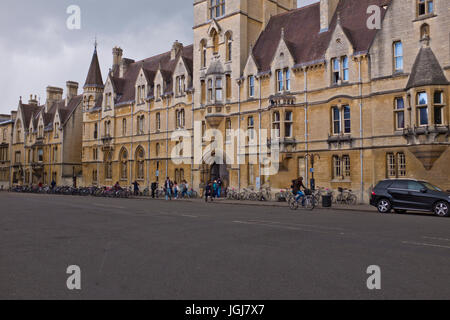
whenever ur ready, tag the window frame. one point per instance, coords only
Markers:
(397, 112)
(397, 57)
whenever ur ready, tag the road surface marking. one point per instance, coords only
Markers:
(297, 225)
(434, 238)
(425, 244)
(106, 206)
(188, 216)
(278, 226)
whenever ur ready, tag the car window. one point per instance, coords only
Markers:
(399, 184)
(414, 185)
(429, 186)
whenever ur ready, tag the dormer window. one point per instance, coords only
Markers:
(251, 86)
(56, 130)
(283, 80)
(217, 8)
(108, 100)
(140, 94)
(181, 86)
(158, 91)
(340, 70)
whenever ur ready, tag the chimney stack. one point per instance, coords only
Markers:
(124, 66)
(117, 57)
(33, 101)
(72, 90)
(327, 9)
(53, 94)
(176, 49)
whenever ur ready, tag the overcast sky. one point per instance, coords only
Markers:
(37, 49)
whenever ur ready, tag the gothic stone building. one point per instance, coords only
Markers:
(46, 139)
(357, 104)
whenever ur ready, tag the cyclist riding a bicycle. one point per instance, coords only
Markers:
(297, 186)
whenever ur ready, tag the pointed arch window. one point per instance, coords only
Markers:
(215, 41)
(424, 31)
(124, 165)
(140, 163)
(108, 166)
(229, 42)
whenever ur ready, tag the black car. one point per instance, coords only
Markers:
(403, 195)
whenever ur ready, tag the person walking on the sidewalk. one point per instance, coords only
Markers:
(175, 190)
(154, 187)
(136, 187)
(208, 191)
(168, 185)
(214, 187)
(219, 187)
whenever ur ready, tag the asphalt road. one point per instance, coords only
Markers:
(153, 249)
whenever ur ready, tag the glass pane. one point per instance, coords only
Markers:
(438, 97)
(336, 65)
(430, 7)
(398, 49)
(398, 63)
(422, 98)
(423, 115)
(400, 120)
(399, 103)
(438, 115)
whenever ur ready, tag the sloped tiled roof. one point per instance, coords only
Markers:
(302, 32)
(94, 77)
(126, 86)
(426, 70)
(29, 112)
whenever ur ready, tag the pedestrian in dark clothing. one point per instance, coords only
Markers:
(154, 187)
(53, 184)
(208, 192)
(136, 188)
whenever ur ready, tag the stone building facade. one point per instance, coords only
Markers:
(6, 125)
(45, 140)
(352, 105)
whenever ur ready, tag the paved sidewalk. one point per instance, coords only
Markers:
(357, 207)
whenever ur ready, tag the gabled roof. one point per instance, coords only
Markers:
(426, 70)
(94, 77)
(303, 36)
(126, 85)
(28, 113)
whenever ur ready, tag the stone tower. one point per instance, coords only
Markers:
(93, 87)
(224, 33)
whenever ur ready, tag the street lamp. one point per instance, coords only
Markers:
(312, 156)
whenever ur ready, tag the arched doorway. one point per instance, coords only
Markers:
(220, 171)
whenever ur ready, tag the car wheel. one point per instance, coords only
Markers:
(441, 209)
(400, 211)
(384, 206)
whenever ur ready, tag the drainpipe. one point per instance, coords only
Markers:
(98, 145)
(259, 137)
(305, 77)
(167, 138)
(361, 156)
(130, 154)
(148, 148)
(192, 140)
(239, 137)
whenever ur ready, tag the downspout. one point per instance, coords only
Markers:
(148, 149)
(259, 134)
(361, 156)
(305, 77)
(167, 138)
(98, 144)
(239, 136)
(130, 154)
(192, 140)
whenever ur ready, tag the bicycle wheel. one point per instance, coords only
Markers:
(293, 205)
(351, 199)
(309, 203)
